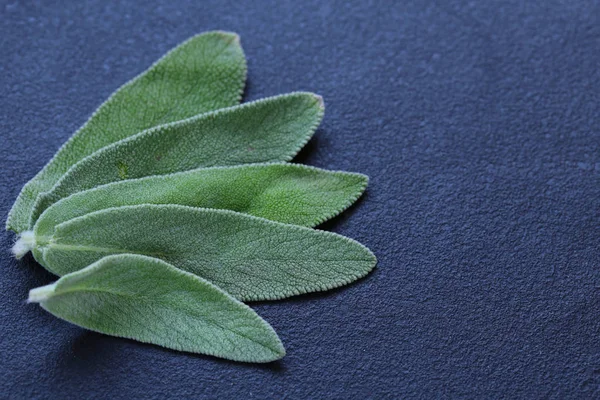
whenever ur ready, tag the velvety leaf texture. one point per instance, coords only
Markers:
(268, 130)
(289, 193)
(251, 258)
(205, 73)
(173, 204)
(146, 299)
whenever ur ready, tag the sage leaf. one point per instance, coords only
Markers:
(205, 73)
(251, 258)
(148, 300)
(267, 130)
(290, 193)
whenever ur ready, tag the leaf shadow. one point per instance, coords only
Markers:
(318, 295)
(308, 152)
(247, 91)
(89, 350)
(335, 222)
(39, 275)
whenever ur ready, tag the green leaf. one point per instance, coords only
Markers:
(146, 299)
(267, 130)
(290, 193)
(205, 73)
(251, 258)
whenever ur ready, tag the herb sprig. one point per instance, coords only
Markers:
(173, 204)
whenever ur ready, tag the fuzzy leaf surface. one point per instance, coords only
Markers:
(250, 258)
(204, 73)
(151, 301)
(267, 130)
(289, 193)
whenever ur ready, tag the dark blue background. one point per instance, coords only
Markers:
(478, 124)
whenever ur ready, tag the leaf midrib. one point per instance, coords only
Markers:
(162, 255)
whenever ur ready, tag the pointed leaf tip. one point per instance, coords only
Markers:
(320, 101)
(233, 36)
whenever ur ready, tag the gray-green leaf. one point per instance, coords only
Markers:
(148, 300)
(272, 129)
(205, 73)
(290, 193)
(251, 258)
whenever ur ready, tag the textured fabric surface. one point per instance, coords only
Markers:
(478, 124)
